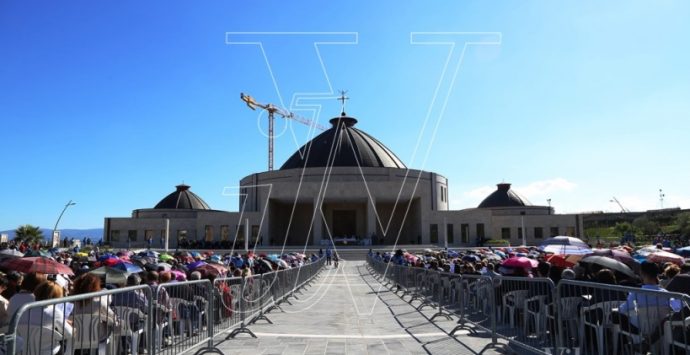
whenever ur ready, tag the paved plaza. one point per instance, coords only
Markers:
(347, 311)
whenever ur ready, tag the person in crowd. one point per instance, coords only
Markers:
(50, 317)
(96, 307)
(26, 292)
(4, 303)
(669, 273)
(14, 280)
(134, 299)
(650, 278)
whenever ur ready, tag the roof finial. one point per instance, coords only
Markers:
(342, 99)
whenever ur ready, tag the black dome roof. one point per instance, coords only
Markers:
(504, 197)
(182, 199)
(343, 145)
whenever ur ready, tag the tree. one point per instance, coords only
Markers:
(683, 223)
(624, 229)
(28, 233)
(646, 226)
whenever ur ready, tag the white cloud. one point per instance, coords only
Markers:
(544, 187)
(534, 190)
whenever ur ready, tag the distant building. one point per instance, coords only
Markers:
(343, 184)
(4, 238)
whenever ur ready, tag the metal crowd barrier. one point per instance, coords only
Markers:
(170, 318)
(540, 317)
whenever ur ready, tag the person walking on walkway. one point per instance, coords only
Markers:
(335, 259)
(328, 256)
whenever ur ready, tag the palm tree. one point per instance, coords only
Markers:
(28, 233)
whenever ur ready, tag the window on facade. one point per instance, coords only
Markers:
(570, 231)
(224, 233)
(132, 235)
(465, 233)
(148, 234)
(240, 234)
(505, 233)
(554, 231)
(114, 236)
(520, 233)
(538, 232)
(433, 233)
(255, 234)
(480, 231)
(449, 231)
(208, 233)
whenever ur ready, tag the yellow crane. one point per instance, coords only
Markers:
(272, 110)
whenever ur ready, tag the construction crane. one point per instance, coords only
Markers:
(623, 209)
(273, 110)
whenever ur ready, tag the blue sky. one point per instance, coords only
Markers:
(111, 104)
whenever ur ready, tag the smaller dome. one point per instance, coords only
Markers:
(182, 199)
(504, 197)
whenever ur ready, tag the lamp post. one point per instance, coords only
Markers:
(56, 238)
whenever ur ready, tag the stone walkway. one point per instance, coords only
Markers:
(347, 311)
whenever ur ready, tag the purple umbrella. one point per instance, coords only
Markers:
(196, 264)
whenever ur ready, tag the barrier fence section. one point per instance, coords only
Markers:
(170, 318)
(574, 317)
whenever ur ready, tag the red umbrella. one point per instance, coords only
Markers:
(207, 270)
(38, 264)
(521, 262)
(664, 257)
(111, 261)
(563, 261)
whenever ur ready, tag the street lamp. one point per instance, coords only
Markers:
(549, 201)
(57, 240)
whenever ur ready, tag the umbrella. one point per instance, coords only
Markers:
(645, 251)
(128, 267)
(149, 253)
(37, 253)
(196, 264)
(562, 240)
(471, 258)
(207, 270)
(521, 262)
(618, 254)
(111, 261)
(81, 255)
(685, 251)
(266, 263)
(566, 249)
(664, 257)
(165, 266)
(609, 263)
(165, 257)
(218, 267)
(38, 264)
(10, 253)
(112, 275)
(563, 261)
(106, 256)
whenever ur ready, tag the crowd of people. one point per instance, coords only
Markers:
(66, 272)
(655, 269)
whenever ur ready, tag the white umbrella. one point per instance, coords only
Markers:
(566, 250)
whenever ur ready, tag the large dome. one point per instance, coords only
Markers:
(504, 197)
(182, 199)
(343, 145)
